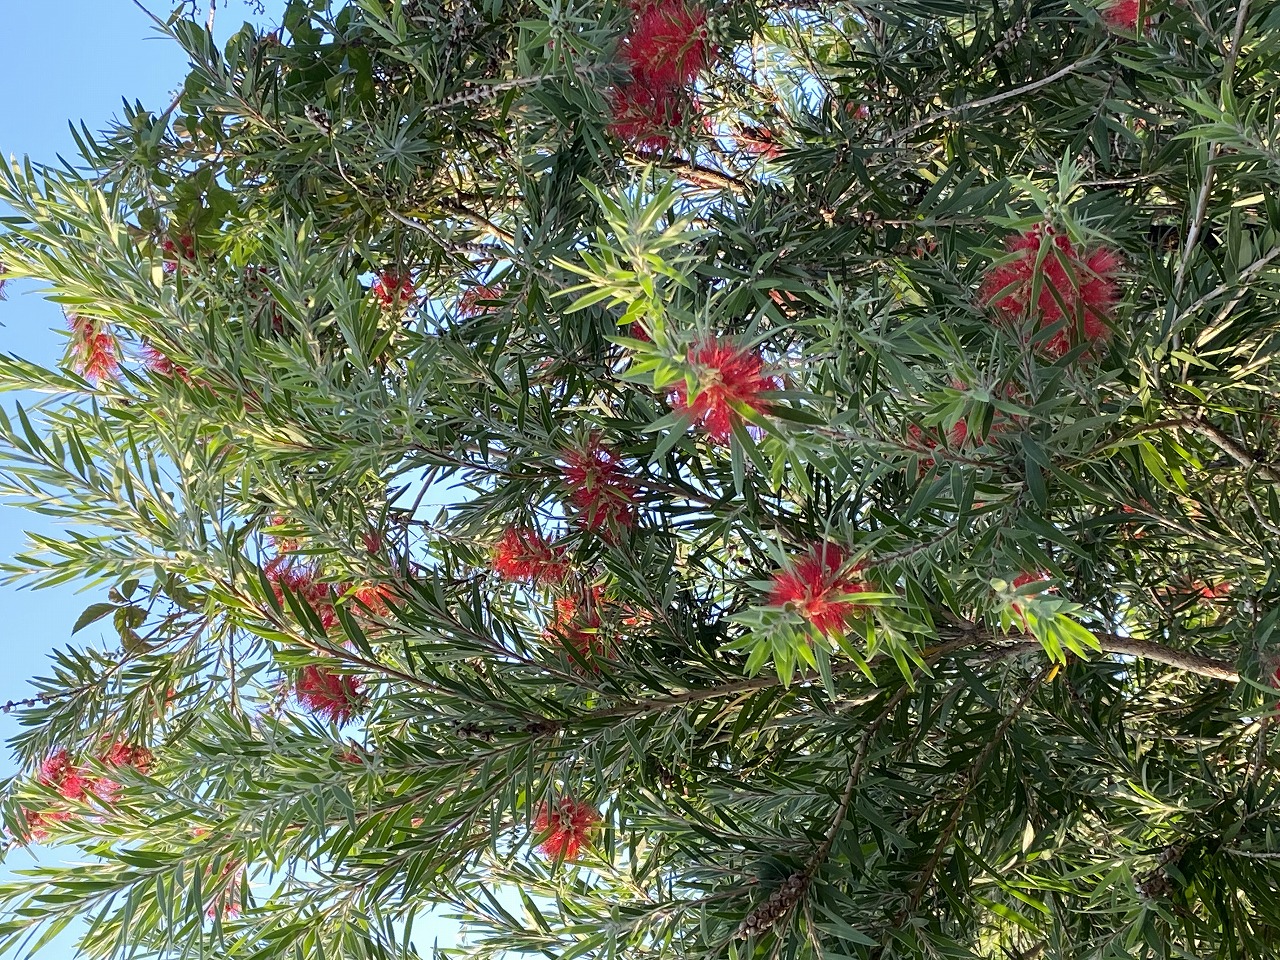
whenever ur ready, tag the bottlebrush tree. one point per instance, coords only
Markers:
(662, 478)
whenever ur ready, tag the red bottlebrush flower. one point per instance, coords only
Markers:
(567, 827)
(54, 769)
(392, 289)
(818, 588)
(227, 903)
(1021, 580)
(647, 116)
(524, 555)
(637, 332)
(282, 544)
(123, 755)
(598, 487)
(920, 442)
(283, 573)
(373, 542)
(1074, 288)
(154, 359)
(759, 141)
(1121, 15)
(473, 303)
(577, 623)
(39, 821)
(93, 352)
(183, 249)
(373, 598)
(119, 755)
(333, 695)
(669, 44)
(1213, 591)
(859, 111)
(727, 376)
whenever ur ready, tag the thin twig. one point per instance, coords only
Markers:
(987, 101)
(1206, 185)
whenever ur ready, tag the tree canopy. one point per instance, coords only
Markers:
(682, 478)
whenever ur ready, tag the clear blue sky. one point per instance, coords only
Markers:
(64, 60)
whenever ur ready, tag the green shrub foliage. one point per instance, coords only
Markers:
(683, 478)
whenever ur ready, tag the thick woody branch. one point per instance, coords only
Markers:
(984, 644)
(1129, 647)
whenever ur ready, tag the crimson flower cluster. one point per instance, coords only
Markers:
(176, 252)
(577, 622)
(94, 352)
(668, 46)
(77, 784)
(567, 826)
(475, 300)
(1121, 15)
(524, 555)
(759, 141)
(284, 572)
(818, 587)
(727, 377)
(335, 696)
(599, 487)
(1075, 288)
(392, 289)
(155, 360)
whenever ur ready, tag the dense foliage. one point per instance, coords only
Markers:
(681, 478)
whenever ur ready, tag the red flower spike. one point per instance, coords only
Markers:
(227, 903)
(598, 487)
(154, 359)
(759, 141)
(331, 695)
(726, 375)
(920, 442)
(392, 289)
(38, 822)
(523, 555)
(577, 623)
(1121, 15)
(283, 573)
(1021, 580)
(647, 116)
(1074, 288)
(54, 769)
(183, 249)
(123, 755)
(93, 352)
(669, 44)
(567, 826)
(281, 543)
(817, 587)
(472, 302)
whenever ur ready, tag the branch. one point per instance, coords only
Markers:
(1117, 645)
(987, 101)
(1233, 449)
(705, 177)
(1202, 201)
